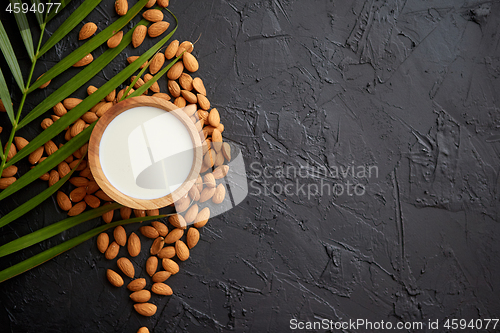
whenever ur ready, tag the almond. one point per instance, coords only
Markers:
(182, 204)
(203, 102)
(199, 86)
(203, 115)
(191, 214)
(140, 296)
(162, 3)
(180, 102)
(20, 142)
(214, 117)
(174, 89)
(153, 15)
(84, 61)
(156, 29)
(162, 95)
(145, 309)
(181, 250)
(166, 252)
(185, 46)
(59, 109)
(112, 251)
(92, 201)
(139, 35)
(151, 265)
(189, 96)
(87, 30)
(157, 246)
(79, 181)
(9, 171)
(115, 40)
(192, 237)
(174, 235)
(209, 180)
(50, 147)
(120, 235)
(111, 96)
(177, 221)
(6, 182)
(121, 7)
(219, 159)
(77, 127)
(114, 278)
(108, 216)
(194, 193)
(202, 218)
(150, 4)
(103, 109)
(134, 58)
(97, 106)
(78, 194)
(186, 81)
(190, 62)
(226, 150)
(144, 329)
(77, 209)
(139, 213)
(89, 117)
(156, 63)
(154, 87)
(209, 159)
(160, 227)
(45, 85)
(160, 276)
(217, 140)
(125, 213)
(172, 49)
(139, 83)
(71, 102)
(91, 89)
(161, 289)
(137, 284)
(126, 266)
(175, 71)
(219, 195)
(190, 110)
(63, 201)
(134, 245)
(149, 232)
(101, 195)
(221, 171)
(102, 242)
(170, 266)
(53, 177)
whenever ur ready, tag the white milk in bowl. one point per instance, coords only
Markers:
(146, 152)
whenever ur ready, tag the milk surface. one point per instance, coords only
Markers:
(146, 152)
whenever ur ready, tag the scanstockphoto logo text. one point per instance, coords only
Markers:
(310, 181)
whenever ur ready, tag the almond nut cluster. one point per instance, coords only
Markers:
(172, 240)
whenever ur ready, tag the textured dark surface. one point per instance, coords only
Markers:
(409, 87)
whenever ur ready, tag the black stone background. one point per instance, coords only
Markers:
(410, 87)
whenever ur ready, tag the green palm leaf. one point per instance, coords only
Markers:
(10, 57)
(38, 15)
(24, 28)
(52, 13)
(35, 201)
(86, 104)
(86, 48)
(58, 249)
(71, 22)
(5, 97)
(54, 229)
(49, 163)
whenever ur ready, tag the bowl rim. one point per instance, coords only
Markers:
(95, 163)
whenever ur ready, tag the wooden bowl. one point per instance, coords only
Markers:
(112, 191)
